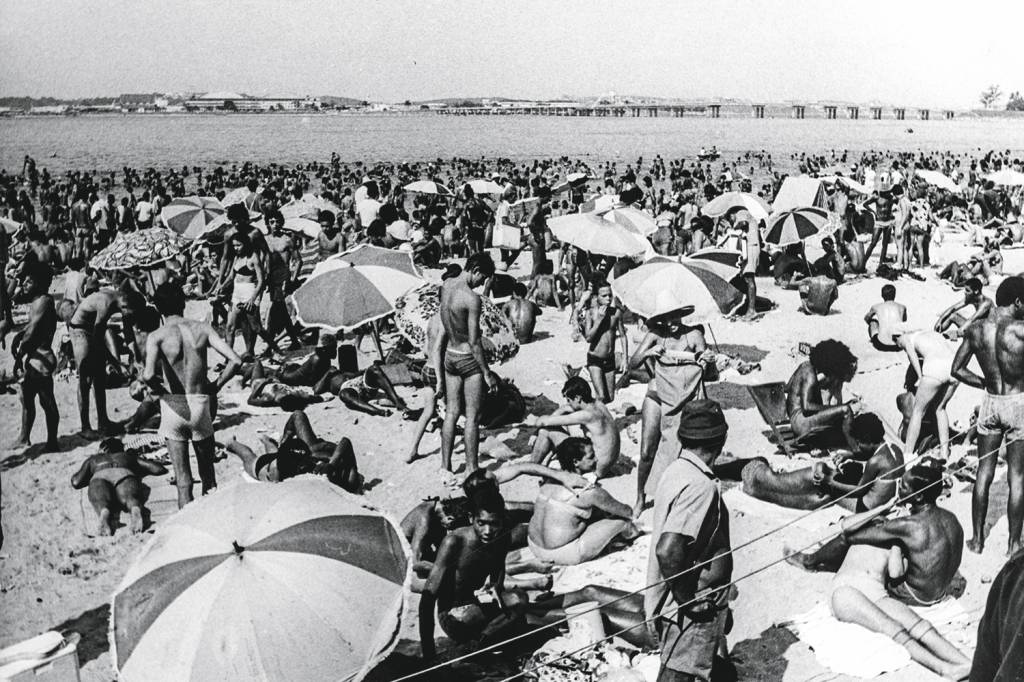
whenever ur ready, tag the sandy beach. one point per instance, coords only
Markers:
(54, 574)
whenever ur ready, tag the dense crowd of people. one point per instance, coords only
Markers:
(130, 328)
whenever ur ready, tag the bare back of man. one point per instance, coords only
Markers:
(178, 352)
(885, 317)
(88, 330)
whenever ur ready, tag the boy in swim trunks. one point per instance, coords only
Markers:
(35, 353)
(113, 477)
(603, 323)
(584, 411)
(883, 318)
(179, 348)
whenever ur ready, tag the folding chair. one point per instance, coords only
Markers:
(770, 400)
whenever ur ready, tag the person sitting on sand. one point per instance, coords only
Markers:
(902, 562)
(584, 411)
(817, 294)
(882, 318)
(300, 451)
(982, 265)
(813, 419)
(931, 358)
(790, 267)
(545, 288)
(876, 467)
(466, 559)
(356, 389)
(522, 313)
(601, 326)
(952, 323)
(831, 264)
(570, 527)
(113, 477)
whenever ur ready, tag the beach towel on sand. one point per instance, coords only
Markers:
(841, 647)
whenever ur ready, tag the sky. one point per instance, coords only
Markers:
(900, 52)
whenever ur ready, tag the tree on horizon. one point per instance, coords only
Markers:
(990, 95)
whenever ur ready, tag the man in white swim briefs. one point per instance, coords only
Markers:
(180, 347)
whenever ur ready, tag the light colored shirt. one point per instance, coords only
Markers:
(686, 491)
(367, 210)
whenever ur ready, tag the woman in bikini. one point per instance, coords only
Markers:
(249, 282)
(113, 477)
(676, 355)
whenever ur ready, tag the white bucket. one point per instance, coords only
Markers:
(585, 624)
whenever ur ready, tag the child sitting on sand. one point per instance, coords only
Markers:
(114, 480)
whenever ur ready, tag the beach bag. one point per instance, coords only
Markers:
(502, 406)
(507, 237)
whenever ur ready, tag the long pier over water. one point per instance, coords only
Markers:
(798, 111)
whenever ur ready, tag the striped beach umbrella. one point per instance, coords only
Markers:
(428, 187)
(419, 306)
(263, 581)
(594, 234)
(790, 227)
(663, 286)
(140, 249)
(339, 295)
(191, 216)
(729, 201)
(634, 219)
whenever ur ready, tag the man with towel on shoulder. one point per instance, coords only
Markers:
(688, 613)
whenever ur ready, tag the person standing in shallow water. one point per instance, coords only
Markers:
(466, 374)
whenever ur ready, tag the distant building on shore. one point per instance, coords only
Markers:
(233, 101)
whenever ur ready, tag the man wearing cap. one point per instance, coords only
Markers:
(690, 551)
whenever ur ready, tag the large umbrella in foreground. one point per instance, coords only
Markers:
(1006, 176)
(594, 234)
(938, 179)
(418, 307)
(724, 203)
(339, 295)
(663, 286)
(140, 249)
(428, 187)
(263, 581)
(191, 216)
(790, 227)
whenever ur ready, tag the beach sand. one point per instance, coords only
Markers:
(55, 575)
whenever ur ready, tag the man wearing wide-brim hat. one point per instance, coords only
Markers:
(690, 550)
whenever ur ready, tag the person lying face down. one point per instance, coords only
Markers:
(114, 479)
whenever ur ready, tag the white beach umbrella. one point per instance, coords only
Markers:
(1007, 176)
(724, 203)
(939, 180)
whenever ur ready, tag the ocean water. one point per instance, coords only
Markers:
(108, 142)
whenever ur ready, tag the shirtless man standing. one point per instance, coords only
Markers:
(601, 326)
(180, 348)
(35, 351)
(584, 411)
(998, 344)
(952, 323)
(466, 374)
(830, 365)
(88, 330)
(884, 220)
(466, 558)
(885, 317)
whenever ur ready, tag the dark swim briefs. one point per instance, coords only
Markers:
(604, 364)
(885, 347)
(461, 364)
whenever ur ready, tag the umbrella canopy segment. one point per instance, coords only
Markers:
(939, 180)
(729, 201)
(263, 581)
(594, 234)
(418, 307)
(140, 249)
(1007, 176)
(663, 286)
(633, 219)
(240, 195)
(368, 254)
(790, 227)
(309, 207)
(339, 295)
(309, 227)
(484, 187)
(428, 187)
(191, 216)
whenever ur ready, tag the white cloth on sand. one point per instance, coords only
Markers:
(840, 646)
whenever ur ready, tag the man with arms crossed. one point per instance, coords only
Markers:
(465, 369)
(180, 347)
(998, 343)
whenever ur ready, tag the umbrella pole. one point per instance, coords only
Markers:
(376, 340)
(713, 339)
